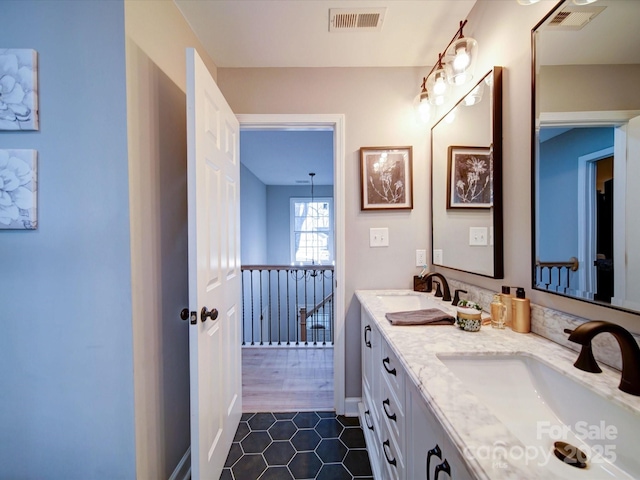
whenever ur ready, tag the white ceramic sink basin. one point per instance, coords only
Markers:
(540, 406)
(404, 302)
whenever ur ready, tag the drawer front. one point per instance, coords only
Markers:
(390, 456)
(392, 412)
(371, 414)
(392, 371)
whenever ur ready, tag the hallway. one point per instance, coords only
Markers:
(286, 379)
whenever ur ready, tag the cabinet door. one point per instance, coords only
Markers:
(370, 338)
(424, 450)
(430, 453)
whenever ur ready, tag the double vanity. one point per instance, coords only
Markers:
(439, 402)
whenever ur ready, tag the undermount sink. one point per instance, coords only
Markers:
(401, 302)
(541, 406)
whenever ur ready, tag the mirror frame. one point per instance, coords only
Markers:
(534, 183)
(496, 133)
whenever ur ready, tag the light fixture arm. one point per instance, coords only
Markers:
(456, 36)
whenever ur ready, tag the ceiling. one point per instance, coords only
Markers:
(295, 33)
(286, 157)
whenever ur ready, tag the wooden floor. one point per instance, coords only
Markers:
(287, 379)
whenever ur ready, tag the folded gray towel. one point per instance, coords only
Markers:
(428, 316)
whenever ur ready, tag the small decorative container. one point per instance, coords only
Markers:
(469, 316)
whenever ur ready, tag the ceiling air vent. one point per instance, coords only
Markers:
(573, 18)
(356, 20)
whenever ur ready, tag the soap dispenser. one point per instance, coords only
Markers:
(506, 297)
(521, 321)
(498, 312)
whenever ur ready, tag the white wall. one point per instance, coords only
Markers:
(377, 103)
(156, 108)
(66, 356)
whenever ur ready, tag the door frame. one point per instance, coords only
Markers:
(310, 122)
(587, 213)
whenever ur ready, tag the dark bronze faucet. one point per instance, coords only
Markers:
(446, 294)
(583, 335)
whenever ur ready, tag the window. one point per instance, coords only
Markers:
(312, 231)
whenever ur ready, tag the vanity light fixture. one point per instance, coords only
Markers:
(422, 105)
(527, 2)
(437, 85)
(583, 2)
(454, 67)
(461, 56)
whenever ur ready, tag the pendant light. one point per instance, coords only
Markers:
(437, 85)
(460, 59)
(422, 105)
(314, 224)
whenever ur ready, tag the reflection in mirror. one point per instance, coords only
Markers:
(466, 182)
(586, 153)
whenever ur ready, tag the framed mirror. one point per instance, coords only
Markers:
(466, 182)
(586, 153)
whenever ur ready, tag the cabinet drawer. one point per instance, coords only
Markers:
(371, 417)
(392, 371)
(392, 412)
(391, 456)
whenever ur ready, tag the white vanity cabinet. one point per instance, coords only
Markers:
(430, 453)
(399, 427)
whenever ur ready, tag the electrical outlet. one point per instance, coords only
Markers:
(478, 236)
(421, 258)
(378, 237)
(437, 257)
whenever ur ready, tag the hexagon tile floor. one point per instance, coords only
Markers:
(298, 445)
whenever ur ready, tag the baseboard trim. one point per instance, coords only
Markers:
(351, 406)
(183, 469)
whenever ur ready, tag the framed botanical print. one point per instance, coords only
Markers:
(470, 177)
(386, 181)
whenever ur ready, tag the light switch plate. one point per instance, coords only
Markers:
(379, 237)
(478, 236)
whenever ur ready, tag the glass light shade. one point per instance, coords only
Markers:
(437, 86)
(583, 2)
(527, 2)
(422, 107)
(460, 60)
(475, 95)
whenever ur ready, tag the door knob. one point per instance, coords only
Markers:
(184, 314)
(204, 313)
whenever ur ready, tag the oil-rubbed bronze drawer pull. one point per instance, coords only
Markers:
(386, 403)
(390, 461)
(367, 414)
(385, 362)
(443, 467)
(434, 451)
(367, 342)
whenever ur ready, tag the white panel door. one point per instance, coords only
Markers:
(214, 271)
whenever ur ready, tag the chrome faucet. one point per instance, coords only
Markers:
(583, 335)
(446, 295)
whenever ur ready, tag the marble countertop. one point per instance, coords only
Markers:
(468, 421)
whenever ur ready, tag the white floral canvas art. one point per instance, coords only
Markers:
(18, 189)
(18, 89)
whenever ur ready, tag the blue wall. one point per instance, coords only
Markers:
(253, 220)
(558, 189)
(278, 208)
(66, 368)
